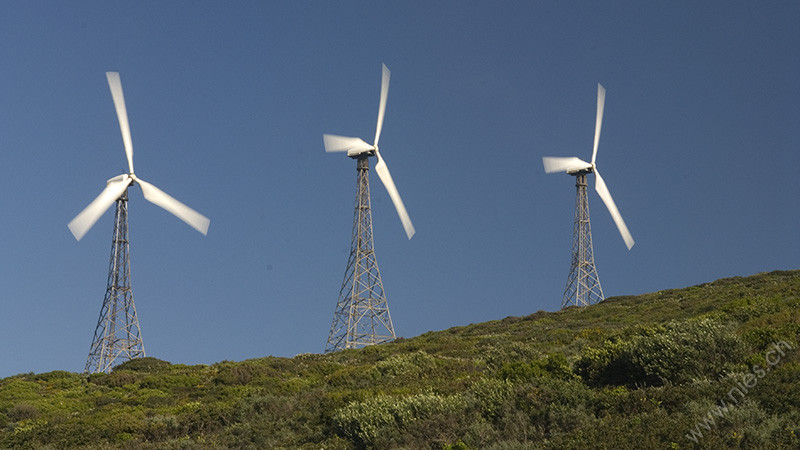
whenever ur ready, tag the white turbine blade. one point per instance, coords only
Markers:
(382, 105)
(334, 143)
(84, 221)
(156, 196)
(122, 114)
(386, 178)
(117, 178)
(602, 190)
(561, 164)
(601, 101)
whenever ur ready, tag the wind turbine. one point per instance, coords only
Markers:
(583, 284)
(362, 313)
(117, 334)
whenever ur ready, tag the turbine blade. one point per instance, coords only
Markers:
(382, 105)
(84, 221)
(155, 195)
(602, 190)
(334, 143)
(386, 178)
(122, 114)
(601, 102)
(561, 164)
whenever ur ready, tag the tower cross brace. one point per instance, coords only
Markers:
(362, 313)
(583, 284)
(117, 335)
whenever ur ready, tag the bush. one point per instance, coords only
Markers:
(405, 367)
(242, 373)
(353, 377)
(147, 364)
(779, 391)
(171, 381)
(115, 379)
(22, 411)
(62, 376)
(490, 397)
(677, 352)
(383, 421)
(160, 427)
(749, 308)
(496, 356)
(554, 365)
(157, 401)
(207, 418)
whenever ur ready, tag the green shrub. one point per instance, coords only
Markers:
(779, 391)
(103, 400)
(160, 427)
(380, 421)
(495, 357)
(761, 338)
(168, 381)
(116, 379)
(240, 374)
(490, 397)
(157, 401)
(234, 375)
(677, 352)
(207, 418)
(60, 379)
(353, 377)
(15, 390)
(406, 367)
(748, 308)
(546, 400)
(554, 365)
(147, 364)
(22, 411)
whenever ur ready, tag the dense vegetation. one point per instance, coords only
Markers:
(710, 366)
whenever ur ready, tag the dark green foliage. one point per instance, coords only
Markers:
(147, 364)
(22, 411)
(117, 378)
(676, 352)
(406, 421)
(631, 372)
(554, 365)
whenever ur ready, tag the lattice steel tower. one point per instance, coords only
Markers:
(583, 284)
(362, 313)
(117, 335)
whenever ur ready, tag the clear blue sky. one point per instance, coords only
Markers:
(228, 102)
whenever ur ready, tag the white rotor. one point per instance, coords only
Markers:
(355, 146)
(116, 186)
(572, 165)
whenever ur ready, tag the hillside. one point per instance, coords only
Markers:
(709, 366)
